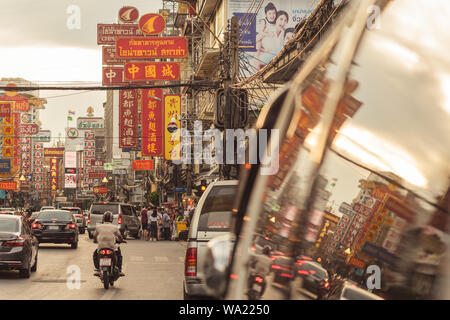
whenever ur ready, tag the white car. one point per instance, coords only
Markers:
(352, 292)
(211, 218)
(48, 208)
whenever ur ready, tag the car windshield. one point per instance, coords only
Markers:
(102, 208)
(9, 225)
(59, 215)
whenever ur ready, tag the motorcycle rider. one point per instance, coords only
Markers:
(106, 235)
(261, 266)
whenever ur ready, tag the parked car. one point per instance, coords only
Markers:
(212, 218)
(79, 217)
(18, 246)
(56, 226)
(364, 125)
(125, 218)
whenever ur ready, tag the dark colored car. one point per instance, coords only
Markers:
(282, 270)
(79, 218)
(315, 277)
(56, 226)
(33, 217)
(18, 246)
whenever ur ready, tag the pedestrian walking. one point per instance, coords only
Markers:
(144, 223)
(153, 221)
(160, 223)
(166, 226)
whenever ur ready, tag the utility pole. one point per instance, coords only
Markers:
(231, 64)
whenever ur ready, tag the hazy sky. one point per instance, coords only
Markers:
(36, 44)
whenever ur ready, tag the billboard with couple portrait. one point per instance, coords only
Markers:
(265, 28)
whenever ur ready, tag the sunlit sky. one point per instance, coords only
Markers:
(36, 44)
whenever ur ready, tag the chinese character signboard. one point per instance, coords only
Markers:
(5, 109)
(113, 76)
(37, 168)
(54, 175)
(109, 56)
(152, 131)
(143, 165)
(8, 185)
(151, 71)
(54, 152)
(89, 155)
(100, 190)
(128, 119)
(151, 48)
(172, 136)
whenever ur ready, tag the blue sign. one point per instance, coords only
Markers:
(5, 165)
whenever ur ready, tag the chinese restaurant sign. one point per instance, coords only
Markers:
(152, 131)
(172, 137)
(151, 48)
(152, 71)
(128, 118)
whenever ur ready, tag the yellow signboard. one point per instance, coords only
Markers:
(172, 127)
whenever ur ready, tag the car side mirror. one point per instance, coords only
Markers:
(217, 263)
(183, 235)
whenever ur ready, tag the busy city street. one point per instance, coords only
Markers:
(153, 271)
(205, 151)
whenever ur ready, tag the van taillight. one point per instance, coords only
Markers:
(190, 264)
(120, 219)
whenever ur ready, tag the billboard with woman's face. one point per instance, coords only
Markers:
(266, 27)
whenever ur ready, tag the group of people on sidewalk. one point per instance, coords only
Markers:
(160, 223)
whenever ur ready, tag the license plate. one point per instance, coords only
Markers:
(53, 228)
(105, 262)
(257, 287)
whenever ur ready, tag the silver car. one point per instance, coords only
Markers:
(125, 217)
(79, 218)
(212, 218)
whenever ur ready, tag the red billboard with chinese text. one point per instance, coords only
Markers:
(112, 76)
(151, 71)
(152, 122)
(128, 118)
(143, 165)
(151, 48)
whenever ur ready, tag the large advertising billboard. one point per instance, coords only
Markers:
(265, 32)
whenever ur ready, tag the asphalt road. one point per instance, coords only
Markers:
(153, 271)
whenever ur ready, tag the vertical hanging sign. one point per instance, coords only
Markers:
(172, 137)
(128, 119)
(152, 122)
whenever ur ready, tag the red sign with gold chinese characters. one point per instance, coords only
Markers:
(53, 175)
(8, 185)
(151, 71)
(152, 24)
(100, 190)
(152, 130)
(128, 118)
(151, 47)
(143, 165)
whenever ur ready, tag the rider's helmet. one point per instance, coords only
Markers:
(266, 250)
(108, 217)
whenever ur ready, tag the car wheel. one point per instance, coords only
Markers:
(82, 230)
(74, 245)
(25, 273)
(34, 268)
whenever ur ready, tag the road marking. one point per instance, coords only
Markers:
(161, 259)
(136, 258)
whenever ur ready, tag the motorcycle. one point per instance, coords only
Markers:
(109, 272)
(256, 287)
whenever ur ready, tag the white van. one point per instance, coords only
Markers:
(212, 218)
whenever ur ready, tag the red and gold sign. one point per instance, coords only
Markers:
(128, 14)
(53, 175)
(151, 71)
(20, 103)
(8, 185)
(54, 152)
(143, 165)
(172, 127)
(100, 190)
(152, 131)
(357, 262)
(5, 109)
(152, 24)
(128, 118)
(112, 76)
(151, 48)
(109, 56)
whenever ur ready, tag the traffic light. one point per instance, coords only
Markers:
(203, 185)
